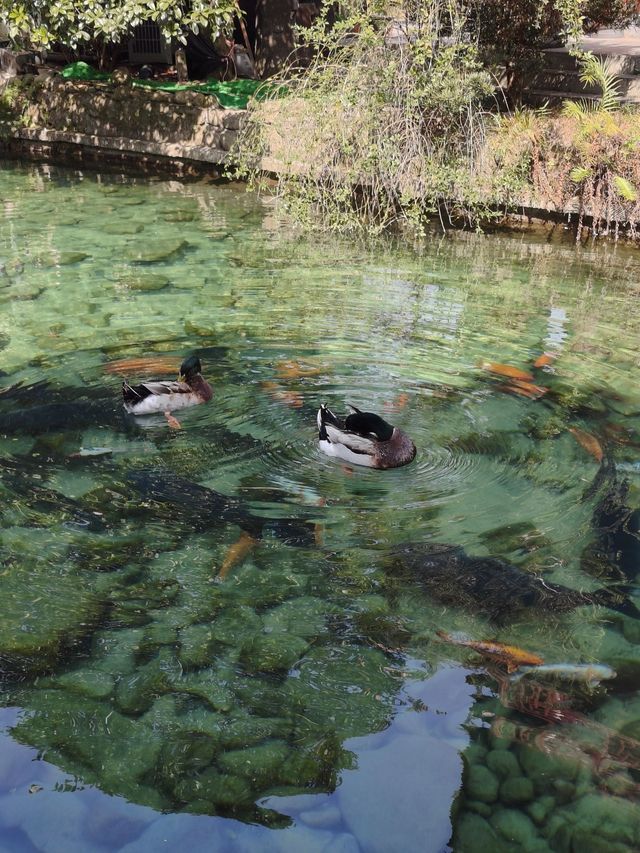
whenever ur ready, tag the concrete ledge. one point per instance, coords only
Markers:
(199, 153)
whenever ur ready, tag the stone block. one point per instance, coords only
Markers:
(233, 119)
(227, 139)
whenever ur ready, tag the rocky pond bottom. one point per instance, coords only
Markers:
(213, 636)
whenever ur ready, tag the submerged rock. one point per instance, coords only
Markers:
(480, 784)
(152, 252)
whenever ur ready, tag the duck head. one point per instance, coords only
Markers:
(368, 424)
(190, 368)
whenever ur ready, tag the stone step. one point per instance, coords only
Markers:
(554, 98)
(619, 63)
(569, 81)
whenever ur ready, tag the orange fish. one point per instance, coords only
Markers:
(289, 398)
(524, 389)
(397, 404)
(151, 365)
(236, 553)
(507, 370)
(295, 370)
(512, 656)
(544, 359)
(588, 441)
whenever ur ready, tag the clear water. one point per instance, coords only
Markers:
(305, 702)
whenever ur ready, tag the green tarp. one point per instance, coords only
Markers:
(233, 94)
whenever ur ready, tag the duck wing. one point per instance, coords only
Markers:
(135, 393)
(352, 440)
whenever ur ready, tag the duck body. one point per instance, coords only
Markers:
(363, 438)
(149, 397)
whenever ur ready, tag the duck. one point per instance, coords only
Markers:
(159, 396)
(363, 438)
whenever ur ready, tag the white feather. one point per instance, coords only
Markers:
(340, 451)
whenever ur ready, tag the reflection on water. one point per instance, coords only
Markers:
(234, 635)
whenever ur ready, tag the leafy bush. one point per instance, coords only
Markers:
(375, 131)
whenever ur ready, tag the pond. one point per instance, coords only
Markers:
(213, 636)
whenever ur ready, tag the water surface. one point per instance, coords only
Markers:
(305, 701)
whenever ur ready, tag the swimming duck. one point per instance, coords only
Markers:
(189, 390)
(364, 438)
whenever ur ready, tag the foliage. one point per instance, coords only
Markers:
(373, 133)
(598, 139)
(41, 23)
(609, 13)
(590, 152)
(595, 71)
(509, 29)
(388, 122)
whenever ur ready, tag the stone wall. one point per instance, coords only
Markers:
(124, 118)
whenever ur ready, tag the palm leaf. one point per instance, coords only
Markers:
(579, 174)
(597, 72)
(625, 188)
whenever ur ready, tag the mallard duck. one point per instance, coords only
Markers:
(189, 390)
(364, 438)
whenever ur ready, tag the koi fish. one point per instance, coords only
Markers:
(588, 441)
(545, 359)
(524, 389)
(236, 553)
(590, 674)
(397, 404)
(512, 656)
(91, 451)
(152, 365)
(295, 370)
(280, 395)
(507, 370)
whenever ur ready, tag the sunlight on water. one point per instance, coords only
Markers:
(305, 701)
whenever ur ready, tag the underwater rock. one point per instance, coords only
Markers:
(205, 684)
(304, 616)
(145, 281)
(503, 763)
(490, 586)
(273, 652)
(345, 689)
(152, 252)
(516, 790)
(514, 826)
(539, 810)
(474, 835)
(544, 769)
(122, 227)
(611, 818)
(480, 784)
(44, 613)
(135, 693)
(257, 764)
(197, 643)
(86, 682)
